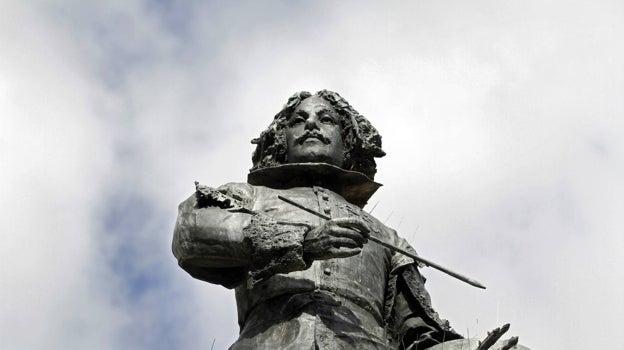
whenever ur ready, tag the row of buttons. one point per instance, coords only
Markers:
(324, 202)
(325, 198)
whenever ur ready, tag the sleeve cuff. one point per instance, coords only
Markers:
(277, 247)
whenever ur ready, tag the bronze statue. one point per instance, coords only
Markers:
(294, 241)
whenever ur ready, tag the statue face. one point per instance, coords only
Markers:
(313, 133)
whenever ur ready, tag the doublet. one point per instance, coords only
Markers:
(372, 300)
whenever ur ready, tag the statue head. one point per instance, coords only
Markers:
(320, 128)
(313, 133)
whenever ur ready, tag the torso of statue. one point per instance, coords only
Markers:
(334, 297)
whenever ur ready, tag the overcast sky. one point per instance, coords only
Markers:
(503, 122)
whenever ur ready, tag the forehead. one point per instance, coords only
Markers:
(313, 104)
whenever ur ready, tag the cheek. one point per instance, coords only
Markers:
(289, 136)
(336, 135)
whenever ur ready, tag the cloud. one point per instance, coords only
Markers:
(55, 159)
(503, 119)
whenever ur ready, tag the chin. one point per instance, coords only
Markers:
(321, 159)
(314, 158)
(315, 154)
(312, 155)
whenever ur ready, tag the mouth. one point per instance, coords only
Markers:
(314, 136)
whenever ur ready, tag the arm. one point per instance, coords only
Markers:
(408, 306)
(219, 239)
(209, 243)
(418, 326)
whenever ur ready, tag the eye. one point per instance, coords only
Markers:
(299, 120)
(327, 119)
(296, 119)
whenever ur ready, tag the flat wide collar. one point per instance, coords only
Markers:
(353, 186)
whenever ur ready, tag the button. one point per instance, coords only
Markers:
(327, 271)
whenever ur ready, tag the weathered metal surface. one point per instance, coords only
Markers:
(303, 282)
(473, 344)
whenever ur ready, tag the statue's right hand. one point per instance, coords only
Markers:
(336, 238)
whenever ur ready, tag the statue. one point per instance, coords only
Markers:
(296, 245)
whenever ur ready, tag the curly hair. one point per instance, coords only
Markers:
(361, 140)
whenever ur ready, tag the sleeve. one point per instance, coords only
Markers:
(409, 312)
(277, 247)
(219, 239)
(208, 239)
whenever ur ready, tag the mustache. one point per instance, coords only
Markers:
(312, 134)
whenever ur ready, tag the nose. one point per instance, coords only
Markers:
(312, 123)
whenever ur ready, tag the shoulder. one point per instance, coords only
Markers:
(391, 236)
(241, 191)
(244, 193)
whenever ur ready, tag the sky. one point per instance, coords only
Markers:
(503, 124)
